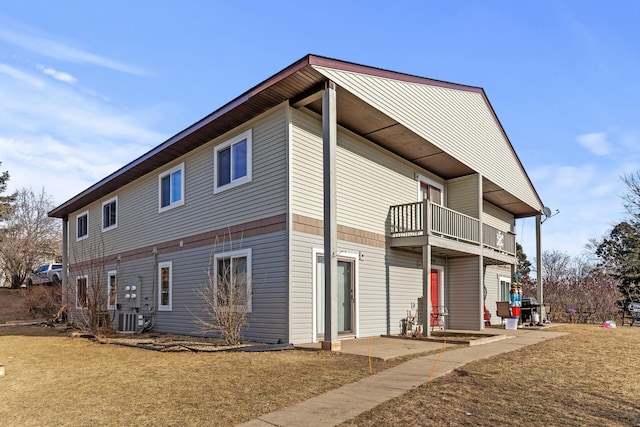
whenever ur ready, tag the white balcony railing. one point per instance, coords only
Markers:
(409, 220)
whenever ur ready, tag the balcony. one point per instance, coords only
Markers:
(412, 221)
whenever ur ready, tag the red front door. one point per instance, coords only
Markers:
(435, 297)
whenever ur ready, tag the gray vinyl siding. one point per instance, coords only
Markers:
(460, 122)
(301, 286)
(405, 287)
(140, 224)
(492, 282)
(463, 195)
(369, 180)
(464, 293)
(267, 321)
(371, 293)
(496, 217)
(306, 174)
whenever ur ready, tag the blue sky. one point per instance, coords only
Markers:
(86, 87)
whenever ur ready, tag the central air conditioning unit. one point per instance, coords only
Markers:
(128, 322)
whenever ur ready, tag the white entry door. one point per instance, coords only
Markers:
(346, 296)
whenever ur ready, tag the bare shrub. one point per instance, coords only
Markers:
(43, 302)
(226, 296)
(580, 281)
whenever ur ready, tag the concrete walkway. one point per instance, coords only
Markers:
(344, 403)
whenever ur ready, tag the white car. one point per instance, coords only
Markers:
(47, 274)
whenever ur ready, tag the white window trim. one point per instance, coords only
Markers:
(78, 217)
(500, 280)
(180, 202)
(429, 181)
(356, 290)
(236, 254)
(111, 227)
(248, 135)
(110, 274)
(86, 278)
(162, 265)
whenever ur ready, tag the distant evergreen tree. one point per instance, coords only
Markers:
(620, 256)
(524, 266)
(619, 251)
(5, 201)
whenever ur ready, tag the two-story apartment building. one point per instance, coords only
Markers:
(406, 187)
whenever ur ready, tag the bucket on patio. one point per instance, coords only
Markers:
(511, 323)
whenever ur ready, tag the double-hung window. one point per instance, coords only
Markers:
(110, 214)
(171, 188)
(232, 162)
(165, 285)
(82, 226)
(233, 279)
(82, 291)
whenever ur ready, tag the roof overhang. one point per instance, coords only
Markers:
(300, 84)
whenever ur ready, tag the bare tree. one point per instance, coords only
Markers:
(580, 281)
(226, 296)
(29, 236)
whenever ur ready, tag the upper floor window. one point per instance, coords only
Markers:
(232, 162)
(430, 190)
(171, 188)
(110, 214)
(82, 226)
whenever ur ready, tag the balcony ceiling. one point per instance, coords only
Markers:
(365, 120)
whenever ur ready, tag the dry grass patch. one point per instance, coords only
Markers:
(12, 305)
(590, 377)
(52, 379)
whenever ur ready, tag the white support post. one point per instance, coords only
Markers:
(539, 284)
(481, 257)
(426, 289)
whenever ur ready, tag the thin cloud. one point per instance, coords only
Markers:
(595, 142)
(75, 138)
(57, 109)
(27, 39)
(20, 75)
(58, 75)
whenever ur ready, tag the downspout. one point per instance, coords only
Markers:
(154, 284)
(65, 260)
